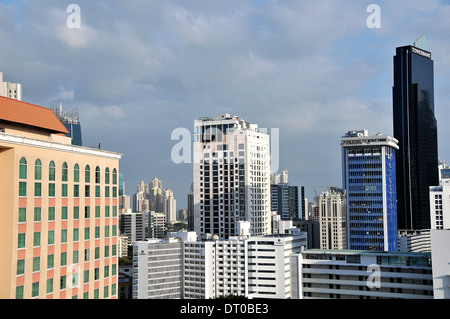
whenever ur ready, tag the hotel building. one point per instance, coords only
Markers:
(231, 176)
(59, 221)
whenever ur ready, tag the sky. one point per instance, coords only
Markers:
(139, 70)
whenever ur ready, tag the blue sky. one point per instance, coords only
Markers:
(137, 70)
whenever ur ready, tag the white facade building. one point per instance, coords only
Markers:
(352, 274)
(11, 90)
(231, 176)
(440, 205)
(440, 254)
(333, 219)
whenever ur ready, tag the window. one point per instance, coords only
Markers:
(76, 234)
(64, 213)
(63, 259)
(22, 214)
(62, 282)
(114, 176)
(21, 266)
(97, 253)
(106, 211)
(37, 214)
(21, 240)
(107, 175)
(51, 189)
(87, 191)
(51, 213)
(37, 190)
(76, 173)
(75, 257)
(97, 191)
(65, 172)
(64, 235)
(37, 239)
(76, 212)
(87, 212)
(51, 237)
(76, 190)
(19, 292)
(97, 211)
(35, 289)
(97, 232)
(96, 274)
(86, 276)
(86, 233)
(87, 174)
(49, 285)
(50, 261)
(23, 168)
(97, 175)
(51, 171)
(23, 189)
(38, 170)
(36, 263)
(64, 190)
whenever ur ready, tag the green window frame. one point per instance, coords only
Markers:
(97, 253)
(22, 215)
(51, 171)
(106, 251)
(113, 269)
(19, 292)
(106, 191)
(51, 190)
(106, 231)
(51, 237)
(38, 169)
(64, 188)
(23, 168)
(113, 289)
(35, 289)
(76, 234)
(87, 174)
(65, 172)
(96, 294)
(106, 272)
(36, 263)
(97, 232)
(75, 256)
(86, 233)
(97, 211)
(114, 192)
(105, 292)
(114, 230)
(97, 175)
(51, 213)
(86, 276)
(97, 191)
(63, 235)
(96, 273)
(36, 239)
(62, 282)
(23, 189)
(21, 240)
(37, 189)
(37, 214)
(76, 173)
(114, 176)
(106, 211)
(76, 212)
(87, 212)
(114, 250)
(107, 175)
(76, 190)
(64, 214)
(20, 267)
(49, 285)
(87, 191)
(114, 211)
(63, 259)
(50, 261)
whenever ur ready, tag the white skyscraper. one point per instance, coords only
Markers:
(231, 176)
(170, 206)
(11, 90)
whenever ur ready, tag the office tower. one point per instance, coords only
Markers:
(132, 225)
(11, 90)
(333, 219)
(231, 176)
(355, 274)
(71, 121)
(158, 270)
(156, 195)
(157, 227)
(121, 185)
(284, 200)
(141, 198)
(59, 210)
(368, 175)
(415, 128)
(170, 206)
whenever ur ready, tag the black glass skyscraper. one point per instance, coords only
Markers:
(415, 128)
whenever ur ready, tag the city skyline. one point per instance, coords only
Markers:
(137, 76)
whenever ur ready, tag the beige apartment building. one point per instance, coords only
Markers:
(58, 204)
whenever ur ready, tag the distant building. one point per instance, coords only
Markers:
(231, 176)
(355, 274)
(333, 219)
(157, 228)
(71, 121)
(11, 90)
(368, 173)
(284, 200)
(133, 225)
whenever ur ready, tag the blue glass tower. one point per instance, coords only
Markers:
(369, 177)
(71, 121)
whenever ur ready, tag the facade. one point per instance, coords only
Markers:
(170, 206)
(158, 269)
(440, 206)
(59, 221)
(157, 226)
(156, 195)
(415, 241)
(333, 219)
(141, 202)
(284, 200)
(369, 177)
(440, 253)
(231, 176)
(353, 274)
(133, 225)
(11, 90)
(415, 129)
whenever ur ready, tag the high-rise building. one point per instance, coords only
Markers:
(284, 200)
(170, 206)
(333, 219)
(440, 206)
(71, 121)
(231, 176)
(368, 175)
(59, 221)
(156, 197)
(11, 90)
(141, 201)
(415, 129)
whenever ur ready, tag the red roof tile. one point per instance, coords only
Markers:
(29, 114)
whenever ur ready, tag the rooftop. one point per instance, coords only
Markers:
(24, 113)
